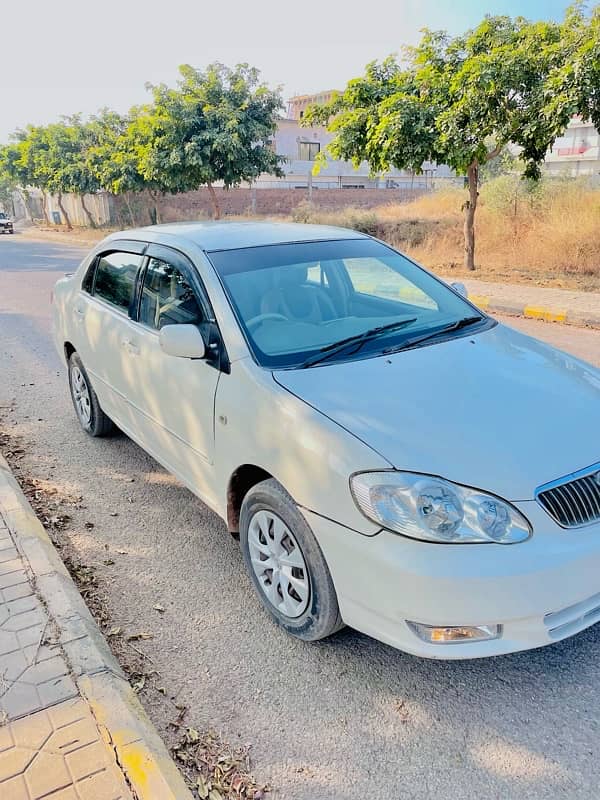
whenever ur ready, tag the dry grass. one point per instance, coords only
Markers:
(548, 234)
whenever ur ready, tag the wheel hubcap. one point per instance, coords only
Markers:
(81, 395)
(278, 564)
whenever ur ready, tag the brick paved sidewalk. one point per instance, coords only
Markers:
(50, 744)
(71, 727)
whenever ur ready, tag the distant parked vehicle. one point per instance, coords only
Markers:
(6, 223)
(391, 457)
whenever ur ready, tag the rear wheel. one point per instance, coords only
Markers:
(91, 417)
(286, 564)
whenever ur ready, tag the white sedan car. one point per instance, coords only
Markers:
(391, 457)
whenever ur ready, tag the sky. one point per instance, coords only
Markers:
(79, 56)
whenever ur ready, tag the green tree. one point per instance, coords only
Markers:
(217, 125)
(30, 161)
(11, 177)
(53, 150)
(461, 100)
(114, 158)
(576, 87)
(74, 140)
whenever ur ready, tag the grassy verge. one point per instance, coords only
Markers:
(86, 237)
(547, 234)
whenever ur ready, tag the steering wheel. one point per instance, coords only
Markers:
(260, 318)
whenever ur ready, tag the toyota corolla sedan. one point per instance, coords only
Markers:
(391, 457)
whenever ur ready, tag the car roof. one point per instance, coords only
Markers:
(233, 235)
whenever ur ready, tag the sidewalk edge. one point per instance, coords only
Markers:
(546, 313)
(139, 751)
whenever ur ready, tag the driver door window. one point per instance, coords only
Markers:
(167, 298)
(174, 397)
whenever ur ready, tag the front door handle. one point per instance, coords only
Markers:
(130, 346)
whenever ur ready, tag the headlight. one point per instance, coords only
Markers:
(435, 510)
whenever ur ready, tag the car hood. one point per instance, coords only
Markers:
(498, 410)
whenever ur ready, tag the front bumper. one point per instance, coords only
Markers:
(540, 591)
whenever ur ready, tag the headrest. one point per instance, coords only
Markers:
(294, 275)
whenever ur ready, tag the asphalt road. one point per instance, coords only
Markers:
(345, 718)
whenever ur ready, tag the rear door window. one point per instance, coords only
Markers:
(115, 278)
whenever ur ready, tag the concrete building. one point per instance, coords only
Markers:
(577, 152)
(301, 146)
(298, 104)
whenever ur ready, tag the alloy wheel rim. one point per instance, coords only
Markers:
(278, 563)
(81, 395)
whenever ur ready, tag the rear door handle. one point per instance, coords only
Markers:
(79, 312)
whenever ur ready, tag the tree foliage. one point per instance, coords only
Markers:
(214, 126)
(461, 100)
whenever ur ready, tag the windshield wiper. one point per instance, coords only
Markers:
(453, 326)
(359, 339)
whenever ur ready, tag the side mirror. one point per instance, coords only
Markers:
(460, 288)
(183, 341)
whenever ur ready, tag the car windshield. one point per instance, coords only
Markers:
(321, 302)
(3, 215)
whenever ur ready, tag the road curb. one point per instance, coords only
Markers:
(529, 311)
(139, 751)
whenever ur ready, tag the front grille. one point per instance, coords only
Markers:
(575, 500)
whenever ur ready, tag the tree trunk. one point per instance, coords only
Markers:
(127, 199)
(24, 195)
(155, 212)
(214, 201)
(64, 213)
(45, 207)
(87, 211)
(469, 208)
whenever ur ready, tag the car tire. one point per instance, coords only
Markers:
(298, 594)
(85, 401)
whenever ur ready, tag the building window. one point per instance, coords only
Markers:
(307, 151)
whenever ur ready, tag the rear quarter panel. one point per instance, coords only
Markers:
(64, 293)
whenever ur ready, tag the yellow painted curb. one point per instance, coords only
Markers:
(480, 300)
(140, 752)
(547, 314)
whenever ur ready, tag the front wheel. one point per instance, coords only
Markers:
(286, 564)
(91, 417)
